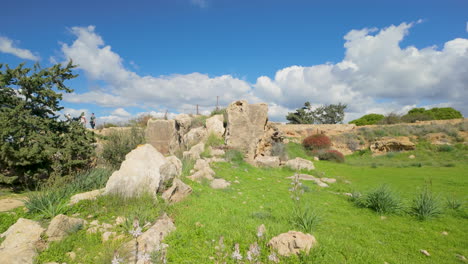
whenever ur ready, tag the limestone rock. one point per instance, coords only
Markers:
(139, 173)
(270, 137)
(178, 191)
(328, 180)
(200, 164)
(152, 238)
(317, 181)
(438, 138)
(171, 169)
(215, 125)
(245, 126)
(292, 242)
(267, 161)
(107, 235)
(10, 204)
(217, 152)
(195, 136)
(61, 225)
(219, 184)
(300, 164)
(195, 151)
(184, 122)
(205, 173)
(163, 135)
(388, 144)
(91, 195)
(19, 244)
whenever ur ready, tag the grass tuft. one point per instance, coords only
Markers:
(382, 200)
(425, 205)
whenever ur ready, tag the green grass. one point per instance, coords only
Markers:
(346, 234)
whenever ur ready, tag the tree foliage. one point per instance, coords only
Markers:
(35, 145)
(369, 119)
(436, 113)
(326, 114)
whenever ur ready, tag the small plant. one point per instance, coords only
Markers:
(445, 148)
(48, 203)
(316, 142)
(214, 141)
(425, 205)
(198, 121)
(279, 149)
(331, 155)
(382, 200)
(305, 219)
(234, 156)
(453, 203)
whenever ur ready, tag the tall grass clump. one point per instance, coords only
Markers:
(214, 141)
(382, 200)
(48, 204)
(119, 143)
(425, 205)
(234, 156)
(453, 203)
(187, 166)
(92, 179)
(302, 217)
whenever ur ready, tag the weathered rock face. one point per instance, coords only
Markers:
(177, 192)
(300, 164)
(271, 136)
(215, 125)
(152, 238)
(61, 225)
(19, 244)
(195, 136)
(267, 161)
(246, 126)
(171, 169)
(292, 242)
(139, 173)
(91, 195)
(183, 123)
(163, 135)
(388, 144)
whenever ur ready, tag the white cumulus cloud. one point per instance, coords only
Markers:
(7, 46)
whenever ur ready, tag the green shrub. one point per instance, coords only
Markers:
(317, 142)
(425, 205)
(382, 200)
(370, 119)
(444, 113)
(119, 143)
(305, 219)
(198, 121)
(445, 148)
(331, 155)
(389, 119)
(453, 203)
(92, 179)
(234, 156)
(412, 118)
(220, 111)
(279, 149)
(214, 141)
(48, 204)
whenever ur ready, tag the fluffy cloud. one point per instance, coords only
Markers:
(126, 88)
(7, 46)
(376, 75)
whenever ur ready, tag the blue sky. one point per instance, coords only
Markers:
(148, 56)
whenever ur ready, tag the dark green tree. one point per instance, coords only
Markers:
(34, 144)
(302, 115)
(329, 114)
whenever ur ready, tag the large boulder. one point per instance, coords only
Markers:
(19, 246)
(195, 136)
(91, 195)
(178, 191)
(292, 242)
(245, 126)
(151, 240)
(267, 161)
(390, 144)
(61, 225)
(171, 169)
(163, 135)
(215, 125)
(183, 122)
(139, 173)
(300, 164)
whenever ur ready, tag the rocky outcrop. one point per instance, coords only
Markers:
(183, 123)
(390, 144)
(270, 137)
(195, 136)
(62, 225)
(292, 242)
(300, 164)
(267, 161)
(177, 192)
(139, 173)
(151, 240)
(91, 195)
(19, 246)
(245, 126)
(163, 135)
(195, 151)
(171, 169)
(215, 125)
